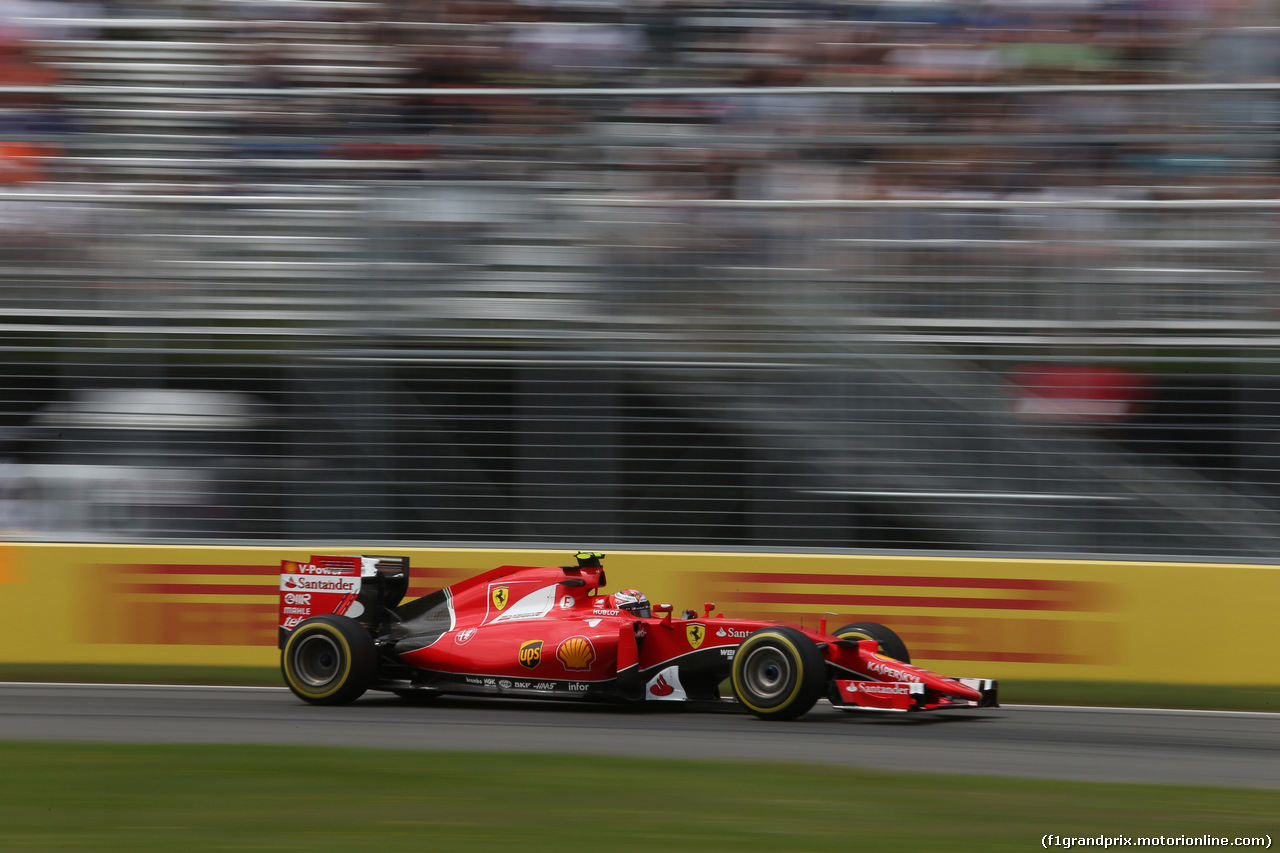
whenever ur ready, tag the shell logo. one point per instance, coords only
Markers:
(576, 653)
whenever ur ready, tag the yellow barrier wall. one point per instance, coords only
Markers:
(1170, 623)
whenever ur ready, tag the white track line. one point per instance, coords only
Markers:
(139, 686)
(1092, 708)
(1145, 710)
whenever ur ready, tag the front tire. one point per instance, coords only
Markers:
(329, 660)
(890, 644)
(778, 673)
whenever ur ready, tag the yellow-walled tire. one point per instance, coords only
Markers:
(329, 660)
(890, 644)
(778, 673)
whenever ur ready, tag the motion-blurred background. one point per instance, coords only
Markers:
(982, 276)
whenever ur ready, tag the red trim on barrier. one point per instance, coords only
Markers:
(897, 580)
(1001, 657)
(180, 588)
(817, 598)
(188, 569)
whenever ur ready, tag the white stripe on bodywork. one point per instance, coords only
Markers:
(671, 677)
(534, 605)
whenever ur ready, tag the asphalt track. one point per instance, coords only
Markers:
(1095, 744)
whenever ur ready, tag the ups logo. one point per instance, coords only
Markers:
(531, 654)
(696, 634)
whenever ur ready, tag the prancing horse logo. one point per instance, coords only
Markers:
(500, 597)
(695, 633)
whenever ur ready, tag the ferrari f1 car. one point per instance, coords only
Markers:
(524, 631)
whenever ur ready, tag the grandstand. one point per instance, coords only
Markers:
(688, 274)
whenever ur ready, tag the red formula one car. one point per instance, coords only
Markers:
(551, 631)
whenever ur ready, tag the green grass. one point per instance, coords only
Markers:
(1113, 694)
(76, 797)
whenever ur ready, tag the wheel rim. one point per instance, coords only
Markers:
(317, 660)
(767, 673)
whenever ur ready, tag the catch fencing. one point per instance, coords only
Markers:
(1008, 319)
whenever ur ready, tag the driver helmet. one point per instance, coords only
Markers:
(634, 602)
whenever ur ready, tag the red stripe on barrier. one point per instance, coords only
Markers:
(138, 579)
(185, 569)
(1000, 657)
(257, 571)
(896, 580)
(834, 599)
(194, 588)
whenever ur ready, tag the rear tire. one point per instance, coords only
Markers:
(329, 660)
(778, 673)
(890, 644)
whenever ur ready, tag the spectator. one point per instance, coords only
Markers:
(26, 111)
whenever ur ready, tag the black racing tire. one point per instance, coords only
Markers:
(778, 673)
(329, 660)
(891, 645)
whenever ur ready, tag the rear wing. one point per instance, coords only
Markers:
(361, 587)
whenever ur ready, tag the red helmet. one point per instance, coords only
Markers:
(633, 601)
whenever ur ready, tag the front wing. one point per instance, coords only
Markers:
(909, 696)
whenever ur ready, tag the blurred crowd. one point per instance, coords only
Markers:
(742, 136)
(604, 126)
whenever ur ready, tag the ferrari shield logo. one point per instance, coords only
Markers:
(500, 597)
(696, 634)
